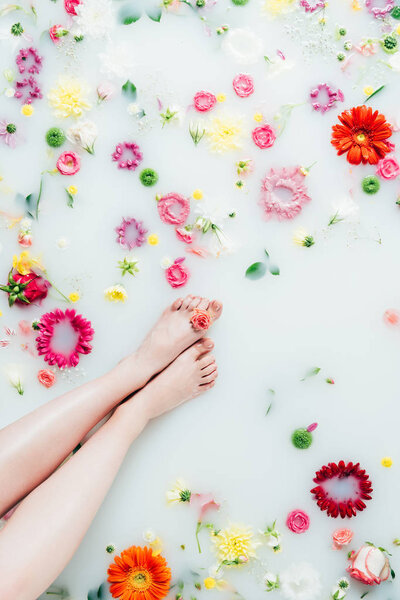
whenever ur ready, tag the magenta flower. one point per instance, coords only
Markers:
(52, 349)
(243, 85)
(131, 233)
(177, 274)
(173, 209)
(8, 133)
(29, 61)
(289, 179)
(28, 90)
(68, 163)
(313, 5)
(123, 151)
(331, 96)
(376, 9)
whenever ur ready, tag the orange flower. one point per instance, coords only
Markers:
(200, 319)
(363, 135)
(139, 575)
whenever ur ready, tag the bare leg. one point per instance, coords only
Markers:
(46, 529)
(35, 445)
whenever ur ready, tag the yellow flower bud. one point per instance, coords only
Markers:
(197, 194)
(386, 461)
(27, 110)
(153, 239)
(72, 189)
(209, 583)
(74, 296)
(221, 97)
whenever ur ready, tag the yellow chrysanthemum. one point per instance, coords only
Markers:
(72, 189)
(197, 194)
(24, 263)
(209, 583)
(27, 110)
(235, 543)
(386, 461)
(153, 239)
(220, 97)
(224, 133)
(69, 98)
(258, 117)
(368, 90)
(278, 7)
(74, 297)
(116, 293)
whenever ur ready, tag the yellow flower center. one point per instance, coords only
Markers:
(139, 580)
(360, 137)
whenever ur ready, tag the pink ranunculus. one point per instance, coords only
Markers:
(243, 85)
(46, 377)
(173, 209)
(204, 101)
(184, 235)
(369, 565)
(177, 275)
(341, 537)
(70, 6)
(264, 136)
(298, 521)
(388, 167)
(68, 163)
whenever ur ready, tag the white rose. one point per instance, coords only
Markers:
(83, 134)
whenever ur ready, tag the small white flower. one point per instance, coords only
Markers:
(9, 93)
(243, 45)
(95, 18)
(149, 536)
(300, 582)
(165, 262)
(271, 581)
(346, 209)
(62, 243)
(14, 375)
(84, 134)
(172, 114)
(179, 493)
(133, 109)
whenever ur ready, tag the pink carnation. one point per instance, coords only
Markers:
(264, 136)
(204, 101)
(173, 209)
(177, 275)
(243, 85)
(388, 167)
(298, 521)
(70, 6)
(68, 163)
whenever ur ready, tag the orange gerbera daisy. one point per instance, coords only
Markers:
(139, 575)
(363, 135)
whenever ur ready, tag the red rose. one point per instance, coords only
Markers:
(204, 101)
(70, 6)
(264, 136)
(36, 288)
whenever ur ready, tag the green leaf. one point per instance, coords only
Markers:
(266, 252)
(129, 89)
(92, 595)
(154, 14)
(393, 574)
(256, 270)
(128, 15)
(274, 270)
(364, 594)
(374, 93)
(314, 371)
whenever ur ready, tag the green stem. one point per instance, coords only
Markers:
(39, 197)
(198, 528)
(57, 290)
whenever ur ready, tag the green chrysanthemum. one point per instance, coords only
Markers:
(55, 137)
(370, 184)
(302, 439)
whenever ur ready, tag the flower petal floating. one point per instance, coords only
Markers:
(331, 96)
(130, 150)
(388, 167)
(8, 133)
(173, 209)
(311, 6)
(234, 545)
(341, 537)
(69, 98)
(139, 574)
(370, 565)
(362, 135)
(131, 233)
(288, 179)
(79, 327)
(25, 289)
(375, 7)
(225, 133)
(348, 503)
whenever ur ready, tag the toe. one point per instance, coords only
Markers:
(207, 386)
(177, 304)
(209, 378)
(187, 301)
(215, 309)
(206, 361)
(194, 303)
(204, 303)
(201, 347)
(209, 369)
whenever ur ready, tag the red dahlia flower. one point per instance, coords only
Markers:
(362, 135)
(25, 289)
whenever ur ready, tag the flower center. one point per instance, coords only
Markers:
(139, 580)
(11, 128)
(360, 137)
(17, 29)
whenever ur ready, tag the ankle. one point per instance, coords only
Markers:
(130, 374)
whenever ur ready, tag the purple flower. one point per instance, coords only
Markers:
(330, 97)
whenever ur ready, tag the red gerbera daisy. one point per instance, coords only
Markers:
(350, 498)
(363, 135)
(139, 575)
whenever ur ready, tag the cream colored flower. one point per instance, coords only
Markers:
(279, 7)
(235, 543)
(69, 98)
(116, 293)
(179, 493)
(225, 133)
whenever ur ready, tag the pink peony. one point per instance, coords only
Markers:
(46, 377)
(369, 565)
(298, 521)
(264, 136)
(341, 537)
(388, 167)
(243, 85)
(177, 275)
(173, 209)
(204, 101)
(70, 6)
(68, 163)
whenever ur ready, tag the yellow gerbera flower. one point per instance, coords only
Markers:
(116, 293)
(224, 133)
(234, 543)
(68, 98)
(24, 263)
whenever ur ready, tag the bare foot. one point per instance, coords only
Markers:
(172, 334)
(192, 373)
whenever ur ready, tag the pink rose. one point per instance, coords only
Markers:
(369, 565)
(243, 85)
(204, 101)
(177, 275)
(264, 136)
(46, 377)
(388, 167)
(298, 521)
(70, 6)
(184, 235)
(173, 209)
(200, 319)
(341, 537)
(68, 163)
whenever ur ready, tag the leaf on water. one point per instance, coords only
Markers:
(256, 270)
(311, 373)
(129, 89)
(274, 270)
(155, 14)
(266, 252)
(128, 15)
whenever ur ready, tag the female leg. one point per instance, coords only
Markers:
(35, 445)
(47, 527)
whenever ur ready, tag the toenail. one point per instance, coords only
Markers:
(209, 345)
